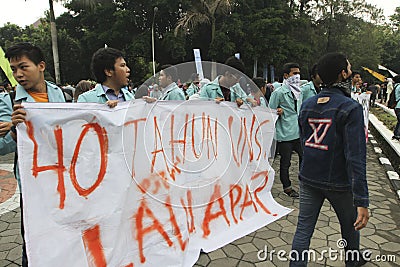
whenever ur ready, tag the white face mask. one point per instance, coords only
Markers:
(294, 80)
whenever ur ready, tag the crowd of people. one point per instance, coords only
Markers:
(317, 119)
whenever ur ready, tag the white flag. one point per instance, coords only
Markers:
(390, 71)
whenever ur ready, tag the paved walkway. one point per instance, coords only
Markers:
(381, 236)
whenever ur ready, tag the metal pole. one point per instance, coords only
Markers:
(152, 41)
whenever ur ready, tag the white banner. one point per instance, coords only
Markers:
(143, 184)
(363, 99)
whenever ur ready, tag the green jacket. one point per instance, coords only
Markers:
(172, 92)
(193, 89)
(213, 90)
(97, 95)
(397, 94)
(263, 101)
(287, 126)
(307, 91)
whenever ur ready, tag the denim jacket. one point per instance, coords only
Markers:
(334, 142)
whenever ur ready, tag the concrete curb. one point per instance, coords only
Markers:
(393, 176)
(387, 136)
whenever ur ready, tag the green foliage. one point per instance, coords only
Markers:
(272, 32)
(387, 119)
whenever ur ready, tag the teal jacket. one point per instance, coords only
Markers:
(193, 89)
(287, 126)
(263, 101)
(307, 91)
(97, 95)
(397, 94)
(7, 143)
(6, 109)
(212, 90)
(172, 92)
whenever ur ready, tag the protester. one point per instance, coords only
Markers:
(82, 87)
(194, 87)
(269, 88)
(389, 88)
(373, 89)
(311, 88)
(28, 65)
(112, 74)
(225, 87)
(334, 160)
(355, 79)
(285, 100)
(142, 91)
(258, 93)
(383, 93)
(156, 92)
(167, 81)
(396, 91)
(5, 117)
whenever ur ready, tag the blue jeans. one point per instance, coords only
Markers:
(397, 128)
(311, 200)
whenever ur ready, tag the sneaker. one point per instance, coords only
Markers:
(292, 193)
(394, 137)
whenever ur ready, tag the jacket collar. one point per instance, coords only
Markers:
(332, 90)
(22, 94)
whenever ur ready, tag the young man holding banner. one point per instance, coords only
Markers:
(28, 67)
(112, 74)
(225, 87)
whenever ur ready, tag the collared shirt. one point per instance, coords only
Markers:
(98, 95)
(111, 94)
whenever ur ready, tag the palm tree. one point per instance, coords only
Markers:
(204, 12)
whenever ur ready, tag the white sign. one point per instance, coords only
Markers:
(199, 67)
(143, 184)
(363, 99)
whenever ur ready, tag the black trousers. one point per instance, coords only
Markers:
(24, 256)
(285, 150)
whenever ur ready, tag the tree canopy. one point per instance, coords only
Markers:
(271, 32)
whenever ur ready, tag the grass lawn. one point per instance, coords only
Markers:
(388, 120)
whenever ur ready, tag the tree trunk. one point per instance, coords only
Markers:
(54, 43)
